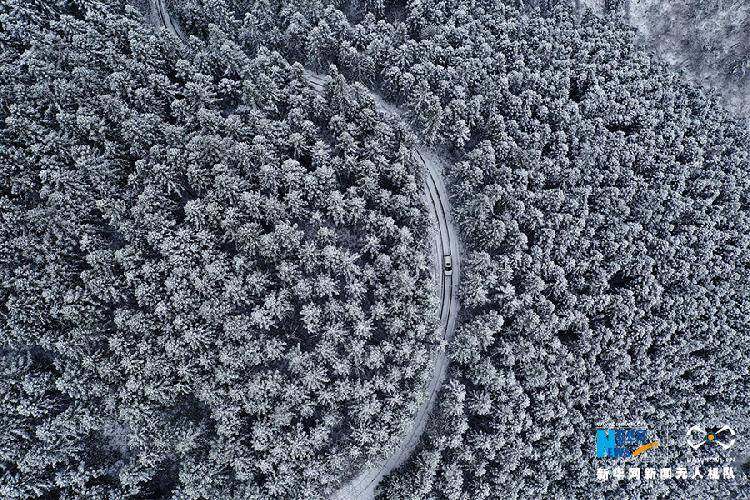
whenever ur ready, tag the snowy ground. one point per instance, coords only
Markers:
(707, 39)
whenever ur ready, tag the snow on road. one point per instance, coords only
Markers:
(161, 16)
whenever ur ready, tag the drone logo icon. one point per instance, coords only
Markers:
(697, 436)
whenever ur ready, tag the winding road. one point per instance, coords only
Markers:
(160, 16)
(363, 485)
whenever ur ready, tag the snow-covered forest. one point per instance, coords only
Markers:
(217, 283)
(214, 282)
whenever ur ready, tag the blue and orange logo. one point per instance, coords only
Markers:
(623, 442)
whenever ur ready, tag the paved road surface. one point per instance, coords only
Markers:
(363, 486)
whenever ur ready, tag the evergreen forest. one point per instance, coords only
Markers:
(217, 282)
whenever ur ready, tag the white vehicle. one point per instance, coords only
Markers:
(447, 265)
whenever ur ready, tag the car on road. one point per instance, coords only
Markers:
(447, 265)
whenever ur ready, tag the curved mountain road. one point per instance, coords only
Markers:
(363, 486)
(160, 16)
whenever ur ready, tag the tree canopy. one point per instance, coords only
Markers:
(604, 206)
(214, 282)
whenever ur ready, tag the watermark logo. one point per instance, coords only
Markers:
(623, 442)
(698, 436)
(665, 473)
